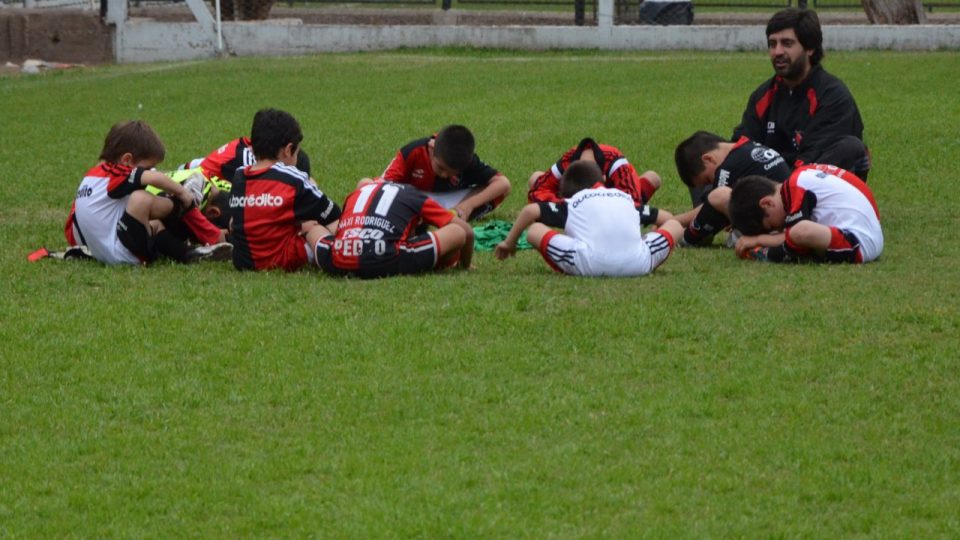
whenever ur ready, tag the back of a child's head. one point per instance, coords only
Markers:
(579, 175)
(746, 215)
(134, 137)
(220, 202)
(272, 130)
(689, 154)
(455, 145)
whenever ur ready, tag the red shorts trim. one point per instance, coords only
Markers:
(542, 248)
(843, 247)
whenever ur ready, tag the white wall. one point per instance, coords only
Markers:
(149, 41)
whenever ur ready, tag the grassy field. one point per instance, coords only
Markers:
(716, 398)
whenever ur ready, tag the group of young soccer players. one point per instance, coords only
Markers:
(415, 217)
(777, 186)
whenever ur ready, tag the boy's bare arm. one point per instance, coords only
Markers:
(686, 217)
(746, 243)
(528, 216)
(159, 180)
(497, 186)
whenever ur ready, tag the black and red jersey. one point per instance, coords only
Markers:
(224, 161)
(750, 158)
(619, 172)
(801, 123)
(100, 202)
(378, 218)
(412, 166)
(266, 208)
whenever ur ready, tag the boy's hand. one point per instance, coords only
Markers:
(745, 244)
(505, 250)
(186, 198)
(463, 211)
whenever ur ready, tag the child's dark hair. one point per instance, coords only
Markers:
(272, 130)
(579, 175)
(135, 137)
(746, 215)
(805, 24)
(454, 145)
(689, 154)
(220, 201)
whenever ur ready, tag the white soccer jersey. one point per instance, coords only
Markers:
(100, 203)
(835, 198)
(602, 236)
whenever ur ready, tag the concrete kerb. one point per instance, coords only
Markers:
(150, 41)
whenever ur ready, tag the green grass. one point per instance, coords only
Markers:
(716, 398)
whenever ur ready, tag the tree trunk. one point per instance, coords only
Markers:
(895, 11)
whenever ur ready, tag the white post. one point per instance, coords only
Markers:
(116, 12)
(219, 28)
(605, 14)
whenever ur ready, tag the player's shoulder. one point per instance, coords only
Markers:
(823, 81)
(418, 145)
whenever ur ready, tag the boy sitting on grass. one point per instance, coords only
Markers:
(601, 225)
(823, 213)
(377, 235)
(445, 167)
(618, 172)
(117, 219)
(273, 205)
(711, 167)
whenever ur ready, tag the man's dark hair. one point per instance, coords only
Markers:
(689, 154)
(805, 24)
(135, 137)
(579, 175)
(745, 213)
(272, 130)
(454, 146)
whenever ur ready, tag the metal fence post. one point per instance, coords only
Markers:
(447, 4)
(578, 8)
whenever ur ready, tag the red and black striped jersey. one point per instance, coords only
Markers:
(412, 165)
(266, 208)
(619, 173)
(378, 217)
(224, 161)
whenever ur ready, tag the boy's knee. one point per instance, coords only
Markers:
(653, 178)
(507, 185)
(806, 234)
(533, 178)
(719, 198)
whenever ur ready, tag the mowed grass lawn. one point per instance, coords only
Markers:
(716, 398)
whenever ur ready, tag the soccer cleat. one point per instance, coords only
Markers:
(757, 254)
(195, 185)
(214, 252)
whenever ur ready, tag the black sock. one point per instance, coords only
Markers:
(707, 223)
(171, 246)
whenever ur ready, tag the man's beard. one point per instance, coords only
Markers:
(793, 71)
